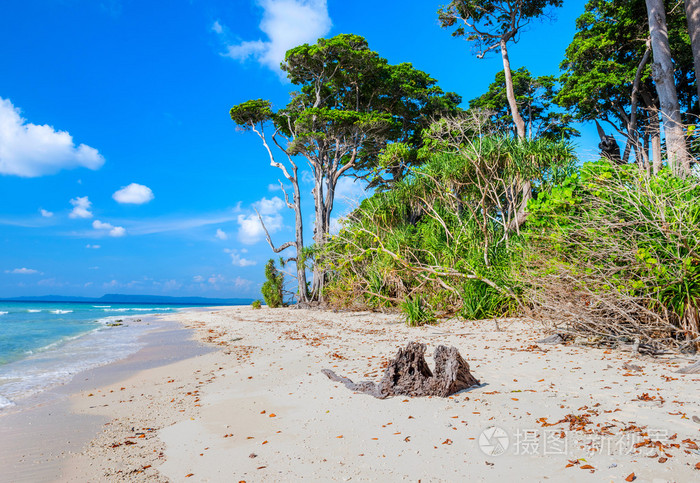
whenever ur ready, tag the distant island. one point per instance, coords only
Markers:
(132, 299)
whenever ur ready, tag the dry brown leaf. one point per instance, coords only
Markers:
(631, 477)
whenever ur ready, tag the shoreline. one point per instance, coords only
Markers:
(43, 430)
(257, 408)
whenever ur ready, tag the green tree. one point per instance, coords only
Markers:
(490, 25)
(607, 73)
(534, 96)
(351, 103)
(272, 289)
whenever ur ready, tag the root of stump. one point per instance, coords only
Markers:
(409, 375)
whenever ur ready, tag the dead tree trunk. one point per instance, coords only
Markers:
(409, 375)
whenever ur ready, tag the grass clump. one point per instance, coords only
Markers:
(417, 312)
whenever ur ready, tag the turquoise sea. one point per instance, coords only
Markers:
(46, 344)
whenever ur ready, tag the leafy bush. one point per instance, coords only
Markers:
(417, 313)
(272, 289)
(616, 253)
(441, 235)
(256, 304)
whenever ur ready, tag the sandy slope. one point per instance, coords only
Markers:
(259, 409)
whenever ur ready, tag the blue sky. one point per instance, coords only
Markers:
(120, 169)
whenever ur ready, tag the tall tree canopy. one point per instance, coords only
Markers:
(351, 104)
(490, 25)
(607, 74)
(534, 97)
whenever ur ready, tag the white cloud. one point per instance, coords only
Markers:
(250, 231)
(114, 231)
(198, 279)
(221, 234)
(242, 283)
(46, 213)
(93, 247)
(238, 260)
(216, 279)
(135, 194)
(22, 271)
(117, 231)
(81, 207)
(269, 207)
(350, 191)
(307, 177)
(274, 187)
(98, 225)
(287, 24)
(30, 150)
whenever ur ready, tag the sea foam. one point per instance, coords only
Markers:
(5, 403)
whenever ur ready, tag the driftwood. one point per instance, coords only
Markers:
(691, 369)
(409, 375)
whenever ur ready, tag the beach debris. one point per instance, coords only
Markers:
(552, 339)
(691, 369)
(631, 367)
(408, 374)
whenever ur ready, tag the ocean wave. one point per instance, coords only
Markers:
(33, 311)
(5, 403)
(59, 311)
(2, 312)
(59, 362)
(137, 309)
(101, 306)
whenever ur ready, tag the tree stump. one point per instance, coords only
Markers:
(409, 375)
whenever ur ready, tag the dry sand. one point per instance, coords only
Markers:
(258, 408)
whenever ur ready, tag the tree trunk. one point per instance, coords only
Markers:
(662, 73)
(299, 231)
(692, 13)
(526, 186)
(510, 92)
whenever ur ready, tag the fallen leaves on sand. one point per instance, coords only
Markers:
(447, 441)
(272, 415)
(189, 474)
(630, 477)
(646, 397)
(265, 442)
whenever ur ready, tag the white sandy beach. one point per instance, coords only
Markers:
(258, 408)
